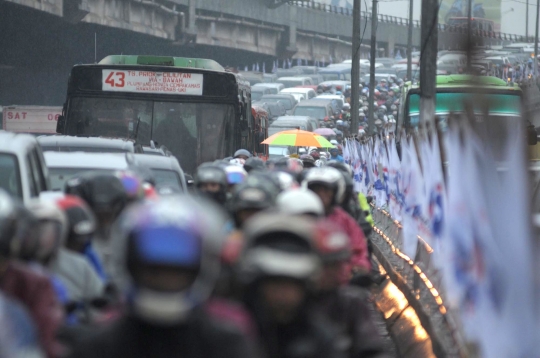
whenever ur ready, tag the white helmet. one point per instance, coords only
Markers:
(299, 202)
(327, 176)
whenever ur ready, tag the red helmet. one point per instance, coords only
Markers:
(331, 242)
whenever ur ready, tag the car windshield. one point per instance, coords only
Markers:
(280, 126)
(291, 83)
(286, 102)
(184, 128)
(256, 95)
(167, 178)
(59, 176)
(315, 112)
(10, 180)
(276, 152)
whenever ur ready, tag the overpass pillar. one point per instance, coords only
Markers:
(390, 50)
(292, 48)
(190, 32)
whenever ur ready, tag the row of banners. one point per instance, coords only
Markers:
(473, 209)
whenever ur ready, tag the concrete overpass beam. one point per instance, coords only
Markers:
(143, 16)
(54, 7)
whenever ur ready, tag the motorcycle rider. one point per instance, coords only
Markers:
(329, 185)
(278, 267)
(212, 181)
(334, 155)
(33, 290)
(167, 253)
(346, 306)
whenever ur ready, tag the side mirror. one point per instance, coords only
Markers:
(61, 125)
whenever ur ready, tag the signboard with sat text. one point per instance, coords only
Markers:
(153, 82)
(31, 119)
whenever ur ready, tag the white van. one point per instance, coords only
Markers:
(306, 93)
(23, 173)
(295, 81)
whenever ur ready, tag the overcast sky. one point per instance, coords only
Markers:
(513, 13)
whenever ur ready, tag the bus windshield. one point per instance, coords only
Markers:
(184, 128)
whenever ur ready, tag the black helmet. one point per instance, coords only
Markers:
(254, 163)
(103, 192)
(81, 223)
(209, 173)
(243, 152)
(248, 196)
(308, 160)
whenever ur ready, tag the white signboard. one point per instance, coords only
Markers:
(31, 119)
(153, 82)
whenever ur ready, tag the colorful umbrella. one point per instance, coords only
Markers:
(298, 138)
(324, 131)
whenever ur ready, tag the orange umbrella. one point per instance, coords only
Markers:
(298, 138)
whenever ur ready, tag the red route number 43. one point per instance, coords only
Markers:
(116, 79)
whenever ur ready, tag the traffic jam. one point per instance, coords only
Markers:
(174, 207)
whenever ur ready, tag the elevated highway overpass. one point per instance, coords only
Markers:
(42, 39)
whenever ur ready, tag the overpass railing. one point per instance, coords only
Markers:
(402, 21)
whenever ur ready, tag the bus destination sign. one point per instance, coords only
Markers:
(153, 82)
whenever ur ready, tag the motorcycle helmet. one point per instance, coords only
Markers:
(252, 198)
(300, 202)
(307, 161)
(274, 250)
(27, 234)
(235, 175)
(212, 174)
(81, 223)
(52, 232)
(254, 163)
(180, 235)
(328, 177)
(104, 193)
(331, 243)
(285, 180)
(242, 153)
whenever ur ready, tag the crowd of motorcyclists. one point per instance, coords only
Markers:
(260, 259)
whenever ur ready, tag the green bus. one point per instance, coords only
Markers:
(199, 111)
(452, 92)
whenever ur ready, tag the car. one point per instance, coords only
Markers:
(287, 100)
(66, 143)
(340, 99)
(284, 123)
(306, 92)
(269, 77)
(273, 88)
(23, 172)
(258, 91)
(274, 109)
(307, 70)
(283, 72)
(295, 81)
(166, 170)
(386, 61)
(276, 152)
(334, 85)
(63, 166)
(321, 110)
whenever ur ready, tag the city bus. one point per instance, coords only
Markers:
(503, 102)
(195, 108)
